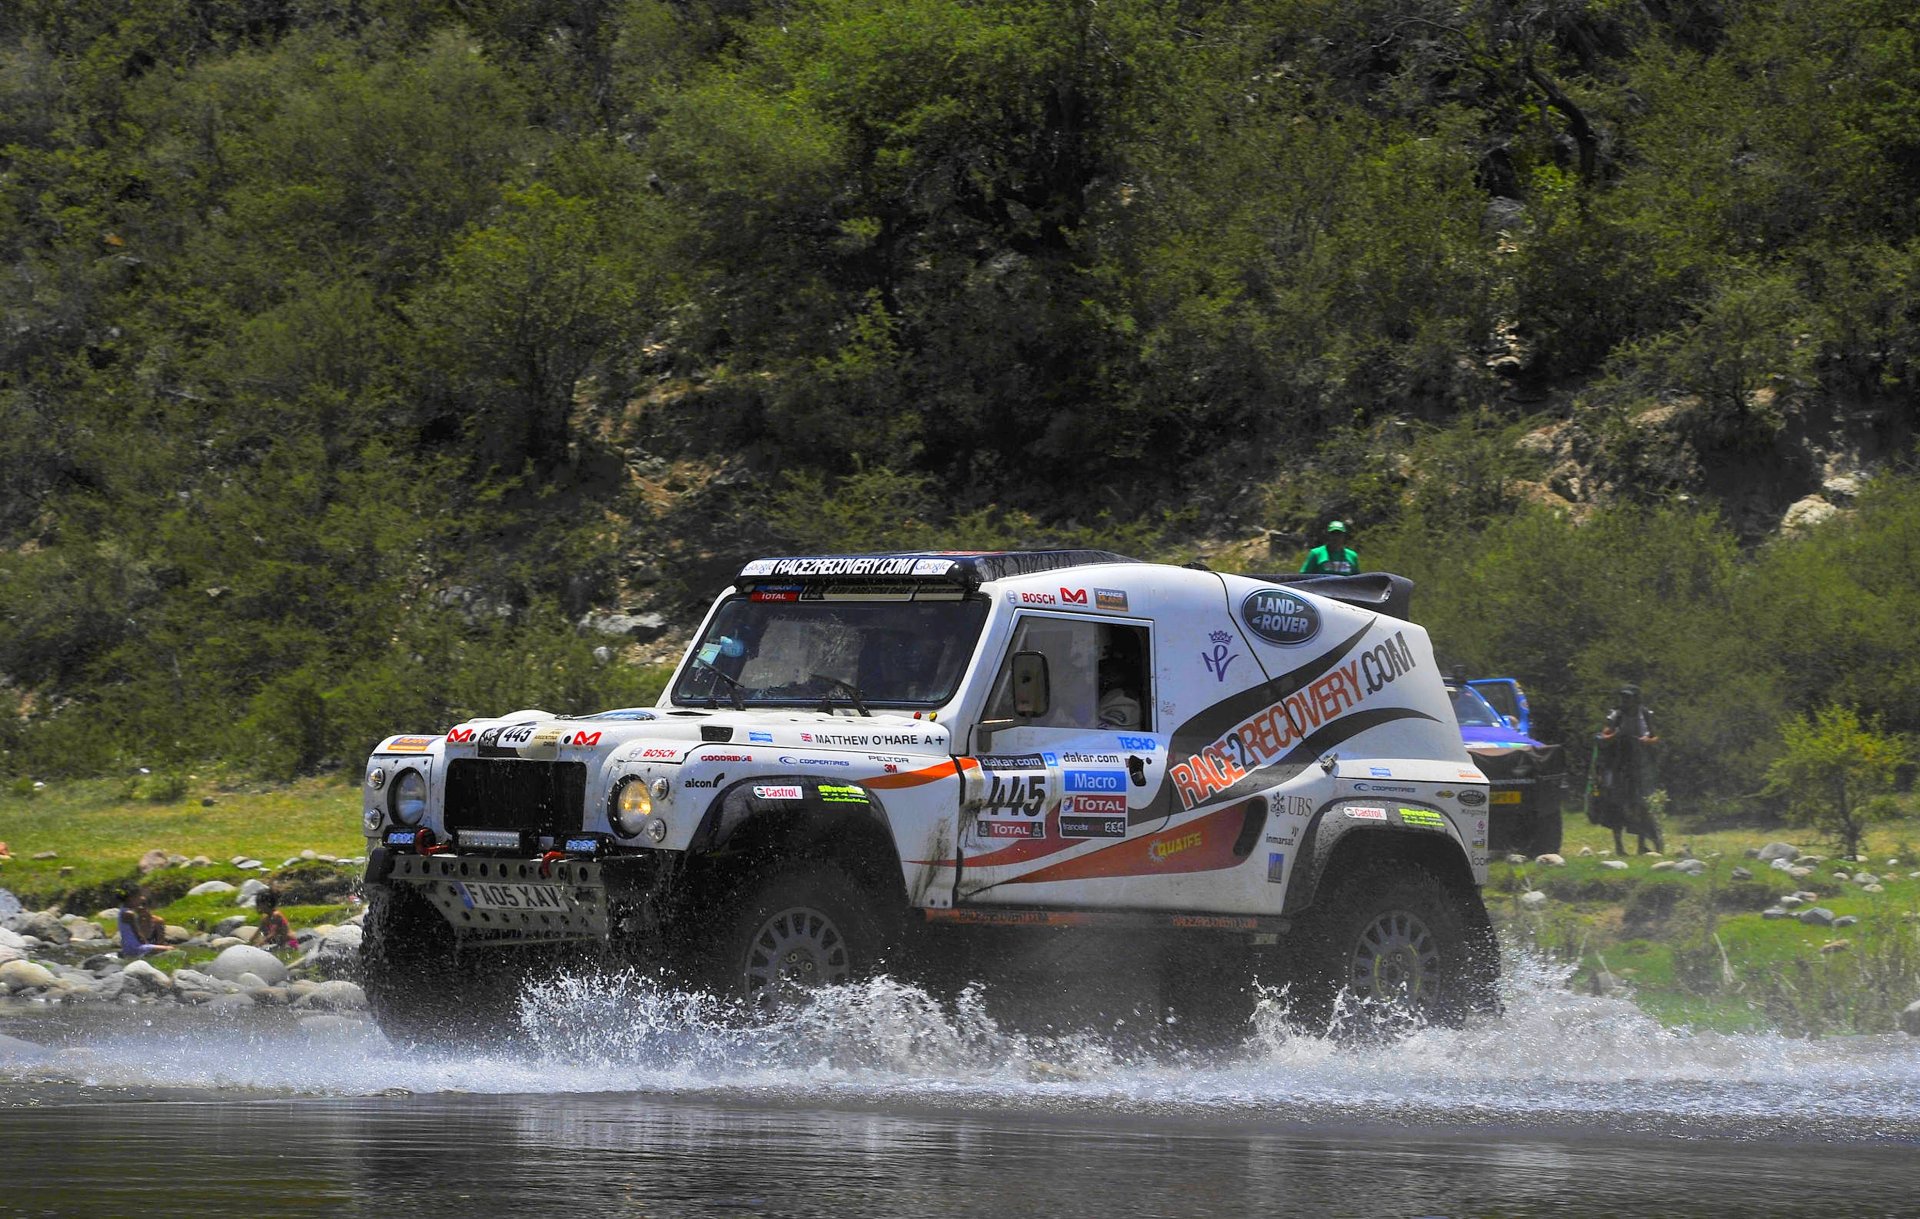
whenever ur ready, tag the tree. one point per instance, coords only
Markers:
(1835, 772)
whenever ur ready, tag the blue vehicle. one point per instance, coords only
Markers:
(1527, 775)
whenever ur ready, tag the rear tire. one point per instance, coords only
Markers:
(1548, 833)
(1399, 940)
(797, 930)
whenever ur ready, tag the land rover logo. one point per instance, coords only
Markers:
(1472, 798)
(1279, 616)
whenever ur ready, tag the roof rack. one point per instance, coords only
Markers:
(971, 567)
(1375, 590)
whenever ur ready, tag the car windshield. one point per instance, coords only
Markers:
(1473, 711)
(893, 653)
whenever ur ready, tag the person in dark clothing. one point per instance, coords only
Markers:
(1623, 774)
(1333, 557)
(142, 933)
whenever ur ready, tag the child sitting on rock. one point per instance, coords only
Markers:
(274, 934)
(142, 932)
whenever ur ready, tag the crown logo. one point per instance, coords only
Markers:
(1221, 636)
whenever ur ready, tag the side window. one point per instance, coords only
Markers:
(1096, 673)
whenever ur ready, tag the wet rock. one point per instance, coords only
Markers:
(1910, 1018)
(20, 975)
(226, 925)
(1533, 899)
(1617, 865)
(341, 944)
(334, 996)
(102, 965)
(211, 886)
(250, 981)
(243, 958)
(1777, 850)
(1742, 874)
(41, 925)
(1551, 860)
(301, 987)
(271, 996)
(175, 934)
(230, 1004)
(331, 1026)
(140, 977)
(152, 861)
(8, 953)
(1817, 916)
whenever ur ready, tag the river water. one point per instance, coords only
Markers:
(625, 1099)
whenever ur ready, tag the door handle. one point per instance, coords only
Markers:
(1137, 768)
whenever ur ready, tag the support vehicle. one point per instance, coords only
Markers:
(1527, 777)
(1142, 783)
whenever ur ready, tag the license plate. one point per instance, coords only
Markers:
(1506, 797)
(515, 895)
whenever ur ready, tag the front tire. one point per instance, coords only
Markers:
(1401, 942)
(798, 930)
(420, 994)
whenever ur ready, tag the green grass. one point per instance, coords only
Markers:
(100, 830)
(1696, 951)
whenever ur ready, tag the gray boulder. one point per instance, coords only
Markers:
(242, 959)
(211, 886)
(1533, 899)
(41, 925)
(226, 925)
(230, 1004)
(340, 944)
(1773, 912)
(13, 1049)
(140, 977)
(23, 975)
(1910, 1018)
(335, 996)
(1817, 916)
(1778, 850)
(8, 953)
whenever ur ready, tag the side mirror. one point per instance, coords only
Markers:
(1032, 693)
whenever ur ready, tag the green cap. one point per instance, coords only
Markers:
(1337, 527)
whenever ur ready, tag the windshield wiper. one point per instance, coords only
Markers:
(852, 692)
(734, 688)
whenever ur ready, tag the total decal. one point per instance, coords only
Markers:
(1264, 737)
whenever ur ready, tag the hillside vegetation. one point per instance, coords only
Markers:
(352, 354)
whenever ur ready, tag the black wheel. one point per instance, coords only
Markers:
(420, 994)
(1395, 938)
(1548, 833)
(797, 930)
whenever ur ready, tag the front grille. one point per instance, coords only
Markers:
(515, 794)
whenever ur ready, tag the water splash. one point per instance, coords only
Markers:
(1550, 1053)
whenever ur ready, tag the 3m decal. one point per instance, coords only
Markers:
(1276, 867)
(409, 744)
(1380, 772)
(460, 736)
(1362, 812)
(1221, 656)
(1424, 818)
(1264, 737)
(778, 793)
(1280, 617)
(1110, 599)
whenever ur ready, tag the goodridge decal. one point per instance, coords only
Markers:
(1266, 736)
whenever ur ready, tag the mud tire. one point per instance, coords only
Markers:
(794, 930)
(420, 995)
(1395, 937)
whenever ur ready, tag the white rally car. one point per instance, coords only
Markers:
(885, 762)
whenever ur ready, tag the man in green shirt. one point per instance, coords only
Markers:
(1333, 558)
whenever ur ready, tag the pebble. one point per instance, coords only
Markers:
(1774, 912)
(46, 855)
(1533, 899)
(1781, 865)
(1742, 874)
(1793, 899)
(1617, 865)
(1777, 850)
(1692, 867)
(1836, 946)
(1874, 889)
(1665, 865)
(1516, 859)
(1586, 851)
(1865, 878)
(1846, 920)
(1550, 859)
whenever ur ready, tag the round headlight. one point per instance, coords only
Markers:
(407, 800)
(632, 805)
(377, 778)
(371, 820)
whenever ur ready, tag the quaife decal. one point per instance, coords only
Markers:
(1278, 616)
(1167, 848)
(1424, 818)
(841, 793)
(778, 793)
(1265, 737)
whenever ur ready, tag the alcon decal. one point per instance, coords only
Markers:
(1264, 737)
